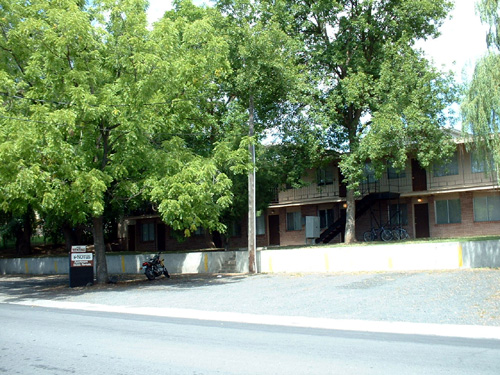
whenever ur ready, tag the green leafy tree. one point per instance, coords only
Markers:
(372, 93)
(481, 103)
(263, 72)
(99, 110)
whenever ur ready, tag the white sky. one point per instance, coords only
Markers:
(462, 40)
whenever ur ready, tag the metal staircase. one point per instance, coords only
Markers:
(361, 207)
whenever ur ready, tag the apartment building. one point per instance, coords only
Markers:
(461, 198)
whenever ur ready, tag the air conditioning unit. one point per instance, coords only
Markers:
(312, 226)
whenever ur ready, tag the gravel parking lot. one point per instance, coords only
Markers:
(470, 297)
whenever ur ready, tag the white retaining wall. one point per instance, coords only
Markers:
(383, 257)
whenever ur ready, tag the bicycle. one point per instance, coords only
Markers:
(400, 234)
(374, 233)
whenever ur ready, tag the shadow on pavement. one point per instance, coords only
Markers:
(56, 287)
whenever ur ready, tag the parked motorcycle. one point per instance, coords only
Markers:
(154, 267)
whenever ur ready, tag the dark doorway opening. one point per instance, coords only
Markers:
(419, 176)
(422, 220)
(161, 236)
(131, 237)
(274, 230)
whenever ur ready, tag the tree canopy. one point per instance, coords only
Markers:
(99, 110)
(374, 95)
(481, 103)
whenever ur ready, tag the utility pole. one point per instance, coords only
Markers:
(252, 237)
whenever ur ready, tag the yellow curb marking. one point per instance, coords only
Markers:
(327, 263)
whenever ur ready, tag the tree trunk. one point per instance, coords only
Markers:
(23, 235)
(209, 242)
(100, 250)
(69, 236)
(350, 225)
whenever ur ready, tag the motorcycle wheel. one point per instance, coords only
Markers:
(166, 274)
(149, 274)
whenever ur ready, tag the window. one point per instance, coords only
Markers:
(370, 173)
(448, 169)
(398, 214)
(293, 221)
(325, 218)
(261, 224)
(481, 163)
(325, 176)
(148, 232)
(235, 229)
(487, 208)
(393, 173)
(448, 211)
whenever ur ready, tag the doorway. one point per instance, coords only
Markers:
(131, 237)
(274, 230)
(418, 176)
(422, 220)
(161, 236)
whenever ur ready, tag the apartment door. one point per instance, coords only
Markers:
(131, 237)
(421, 220)
(274, 230)
(419, 176)
(161, 236)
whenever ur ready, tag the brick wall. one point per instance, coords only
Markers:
(364, 223)
(467, 227)
(194, 242)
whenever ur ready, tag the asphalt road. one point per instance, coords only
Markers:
(38, 340)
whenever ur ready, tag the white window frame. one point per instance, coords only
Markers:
(260, 224)
(491, 209)
(325, 176)
(452, 168)
(481, 163)
(148, 231)
(326, 217)
(398, 214)
(293, 221)
(448, 218)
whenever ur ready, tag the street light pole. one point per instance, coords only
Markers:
(252, 238)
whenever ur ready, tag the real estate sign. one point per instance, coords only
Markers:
(81, 266)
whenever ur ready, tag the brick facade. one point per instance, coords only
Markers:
(464, 184)
(311, 199)
(176, 241)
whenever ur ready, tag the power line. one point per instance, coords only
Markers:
(195, 134)
(24, 119)
(90, 105)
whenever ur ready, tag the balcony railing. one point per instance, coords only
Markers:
(402, 185)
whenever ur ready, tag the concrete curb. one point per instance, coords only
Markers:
(399, 328)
